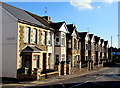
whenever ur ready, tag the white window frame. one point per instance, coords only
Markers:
(27, 34)
(63, 40)
(57, 37)
(49, 38)
(35, 36)
(44, 38)
(69, 43)
(36, 61)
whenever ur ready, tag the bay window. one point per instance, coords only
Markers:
(57, 39)
(69, 43)
(36, 61)
(63, 39)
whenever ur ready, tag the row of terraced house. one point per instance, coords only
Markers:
(35, 46)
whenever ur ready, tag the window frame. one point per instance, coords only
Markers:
(63, 40)
(36, 61)
(27, 34)
(35, 36)
(69, 43)
(44, 38)
(49, 38)
(57, 37)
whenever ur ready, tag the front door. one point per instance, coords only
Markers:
(27, 61)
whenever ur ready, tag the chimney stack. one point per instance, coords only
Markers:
(47, 18)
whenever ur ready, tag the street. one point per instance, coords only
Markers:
(109, 74)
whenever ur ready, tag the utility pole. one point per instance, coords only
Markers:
(111, 47)
(118, 40)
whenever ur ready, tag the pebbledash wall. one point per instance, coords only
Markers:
(9, 44)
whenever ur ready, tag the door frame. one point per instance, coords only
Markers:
(30, 61)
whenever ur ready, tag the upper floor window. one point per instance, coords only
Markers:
(35, 36)
(44, 38)
(27, 34)
(89, 46)
(86, 46)
(63, 39)
(75, 43)
(79, 45)
(57, 39)
(96, 47)
(49, 37)
(69, 43)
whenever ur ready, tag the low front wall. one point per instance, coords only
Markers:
(37, 77)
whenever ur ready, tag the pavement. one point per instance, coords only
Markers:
(82, 72)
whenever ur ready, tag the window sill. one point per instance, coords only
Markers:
(46, 45)
(31, 43)
(59, 46)
(28, 43)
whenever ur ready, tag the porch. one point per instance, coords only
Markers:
(36, 64)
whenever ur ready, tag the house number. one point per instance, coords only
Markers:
(11, 38)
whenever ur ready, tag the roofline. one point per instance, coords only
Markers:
(9, 13)
(33, 24)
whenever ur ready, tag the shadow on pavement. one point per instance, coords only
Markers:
(107, 84)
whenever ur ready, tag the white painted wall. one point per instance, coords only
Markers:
(63, 28)
(9, 45)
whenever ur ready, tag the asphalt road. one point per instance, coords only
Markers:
(108, 75)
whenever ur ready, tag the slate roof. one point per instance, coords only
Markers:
(21, 15)
(96, 39)
(90, 36)
(40, 19)
(31, 49)
(56, 26)
(71, 28)
(102, 40)
(82, 34)
(105, 43)
(68, 35)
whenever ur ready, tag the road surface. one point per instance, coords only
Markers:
(110, 75)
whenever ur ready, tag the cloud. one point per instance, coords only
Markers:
(109, 1)
(82, 4)
(86, 4)
(99, 7)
